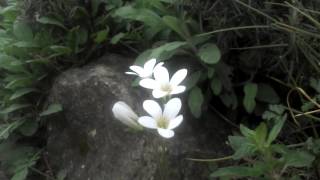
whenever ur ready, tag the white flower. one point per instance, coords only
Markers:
(126, 115)
(161, 85)
(164, 121)
(145, 71)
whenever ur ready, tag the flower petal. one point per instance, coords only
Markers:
(178, 89)
(149, 65)
(139, 70)
(153, 108)
(156, 93)
(161, 75)
(131, 73)
(178, 77)
(125, 114)
(160, 64)
(148, 122)
(148, 83)
(175, 122)
(172, 108)
(166, 133)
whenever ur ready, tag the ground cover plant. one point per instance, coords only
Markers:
(254, 63)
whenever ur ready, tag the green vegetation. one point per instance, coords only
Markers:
(259, 59)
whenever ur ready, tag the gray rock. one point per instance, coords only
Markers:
(87, 143)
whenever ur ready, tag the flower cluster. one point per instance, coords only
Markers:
(155, 77)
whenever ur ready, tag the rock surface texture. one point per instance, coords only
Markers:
(87, 143)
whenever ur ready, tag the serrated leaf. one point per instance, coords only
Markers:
(298, 158)
(53, 108)
(21, 92)
(246, 131)
(195, 101)
(22, 31)
(276, 129)
(242, 147)
(51, 21)
(267, 94)
(209, 53)
(216, 85)
(250, 92)
(261, 134)
(237, 171)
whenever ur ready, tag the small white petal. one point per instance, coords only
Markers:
(178, 89)
(156, 93)
(153, 108)
(166, 133)
(161, 75)
(160, 64)
(175, 122)
(172, 108)
(148, 122)
(149, 65)
(131, 73)
(148, 83)
(178, 77)
(139, 70)
(125, 114)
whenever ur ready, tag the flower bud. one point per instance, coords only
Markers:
(126, 115)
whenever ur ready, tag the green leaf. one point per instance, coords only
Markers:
(261, 134)
(61, 50)
(29, 127)
(247, 132)
(25, 44)
(216, 85)
(276, 129)
(22, 31)
(192, 80)
(101, 36)
(167, 50)
(115, 39)
(237, 171)
(315, 84)
(143, 57)
(21, 92)
(195, 101)
(13, 107)
(146, 16)
(242, 147)
(250, 92)
(51, 21)
(10, 63)
(297, 158)
(209, 53)
(20, 175)
(176, 25)
(53, 108)
(267, 94)
(6, 129)
(229, 99)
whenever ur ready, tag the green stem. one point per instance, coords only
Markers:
(210, 160)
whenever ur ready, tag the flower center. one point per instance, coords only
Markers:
(166, 87)
(162, 122)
